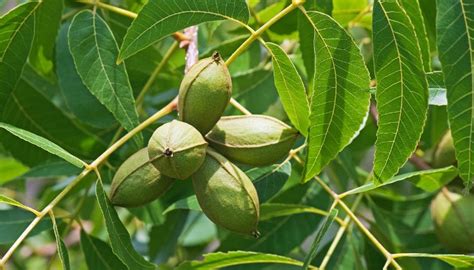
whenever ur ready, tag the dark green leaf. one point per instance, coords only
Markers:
(61, 247)
(48, 19)
(458, 261)
(273, 210)
(455, 37)
(321, 232)
(16, 38)
(98, 254)
(341, 96)
(290, 89)
(164, 237)
(402, 89)
(269, 180)
(79, 100)
(160, 18)
(119, 237)
(189, 203)
(43, 143)
(14, 221)
(94, 50)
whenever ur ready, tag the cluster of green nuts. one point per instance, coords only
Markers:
(202, 146)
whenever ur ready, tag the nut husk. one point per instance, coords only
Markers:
(177, 149)
(444, 154)
(204, 93)
(453, 217)
(256, 140)
(226, 195)
(137, 182)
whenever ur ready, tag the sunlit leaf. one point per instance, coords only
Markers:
(402, 89)
(340, 97)
(160, 18)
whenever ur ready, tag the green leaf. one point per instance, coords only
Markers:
(119, 237)
(10, 201)
(77, 97)
(341, 97)
(164, 237)
(455, 38)
(321, 232)
(455, 260)
(14, 221)
(413, 10)
(269, 180)
(98, 254)
(273, 210)
(290, 89)
(160, 18)
(94, 50)
(16, 37)
(402, 89)
(221, 259)
(437, 88)
(48, 19)
(428, 180)
(61, 247)
(43, 143)
(189, 203)
(52, 169)
(10, 169)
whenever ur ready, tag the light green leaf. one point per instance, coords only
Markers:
(43, 143)
(189, 203)
(220, 259)
(456, 260)
(61, 247)
(341, 97)
(437, 88)
(98, 254)
(321, 232)
(290, 89)
(273, 210)
(428, 180)
(160, 18)
(48, 19)
(10, 201)
(455, 38)
(402, 89)
(413, 10)
(119, 237)
(77, 97)
(94, 50)
(10, 169)
(16, 37)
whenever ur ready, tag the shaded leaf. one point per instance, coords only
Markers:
(16, 38)
(14, 221)
(10, 201)
(321, 232)
(428, 180)
(269, 180)
(458, 261)
(160, 18)
(61, 247)
(119, 237)
(164, 237)
(273, 210)
(98, 254)
(189, 203)
(290, 89)
(220, 259)
(402, 89)
(455, 38)
(341, 97)
(78, 98)
(43, 143)
(94, 50)
(48, 19)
